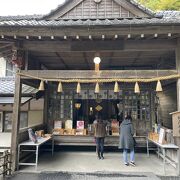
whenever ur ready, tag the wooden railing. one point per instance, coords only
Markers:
(5, 164)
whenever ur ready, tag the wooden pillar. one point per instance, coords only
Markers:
(177, 139)
(45, 111)
(178, 69)
(26, 63)
(16, 121)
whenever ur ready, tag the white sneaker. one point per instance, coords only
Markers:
(132, 163)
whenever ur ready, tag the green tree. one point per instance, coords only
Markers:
(169, 5)
(158, 5)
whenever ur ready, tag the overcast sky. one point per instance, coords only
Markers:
(25, 7)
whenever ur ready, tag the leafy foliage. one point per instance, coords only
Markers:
(158, 5)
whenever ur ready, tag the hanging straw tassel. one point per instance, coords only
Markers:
(136, 88)
(97, 88)
(159, 87)
(60, 89)
(78, 90)
(116, 87)
(41, 86)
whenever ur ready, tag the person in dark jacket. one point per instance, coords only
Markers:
(100, 133)
(126, 140)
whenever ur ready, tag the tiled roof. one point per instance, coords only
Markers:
(7, 86)
(162, 14)
(142, 7)
(10, 100)
(91, 22)
(16, 18)
(169, 14)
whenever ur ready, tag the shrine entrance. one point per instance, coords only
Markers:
(109, 105)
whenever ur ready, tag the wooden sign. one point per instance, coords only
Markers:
(80, 124)
(176, 123)
(57, 124)
(68, 124)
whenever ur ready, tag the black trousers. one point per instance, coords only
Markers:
(100, 145)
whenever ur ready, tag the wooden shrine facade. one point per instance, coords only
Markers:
(134, 43)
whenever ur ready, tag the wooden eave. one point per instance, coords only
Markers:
(84, 31)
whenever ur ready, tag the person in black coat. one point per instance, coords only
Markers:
(126, 140)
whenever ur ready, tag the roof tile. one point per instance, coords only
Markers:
(79, 22)
(7, 86)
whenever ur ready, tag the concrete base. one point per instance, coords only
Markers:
(83, 176)
(88, 162)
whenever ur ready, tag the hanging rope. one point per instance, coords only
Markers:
(130, 80)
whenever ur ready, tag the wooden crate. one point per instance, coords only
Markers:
(39, 133)
(58, 131)
(68, 131)
(153, 136)
(81, 132)
(47, 135)
(115, 132)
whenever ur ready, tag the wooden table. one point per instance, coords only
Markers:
(37, 145)
(164, 147)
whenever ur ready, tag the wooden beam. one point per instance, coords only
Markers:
(6, 42)
(97, 45)
(45, 109)
(136, 58)
(91, 74)
(26, 60)
(150, 45)
(130, 45)
(177, 139)
(4, 46)
(62, 60)
(5, 50)
(86, 61)
(121, 55)
(83, 31)
(133, 9)
(110, 59)
(16, 122)
(65, 9)
(6, 55)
